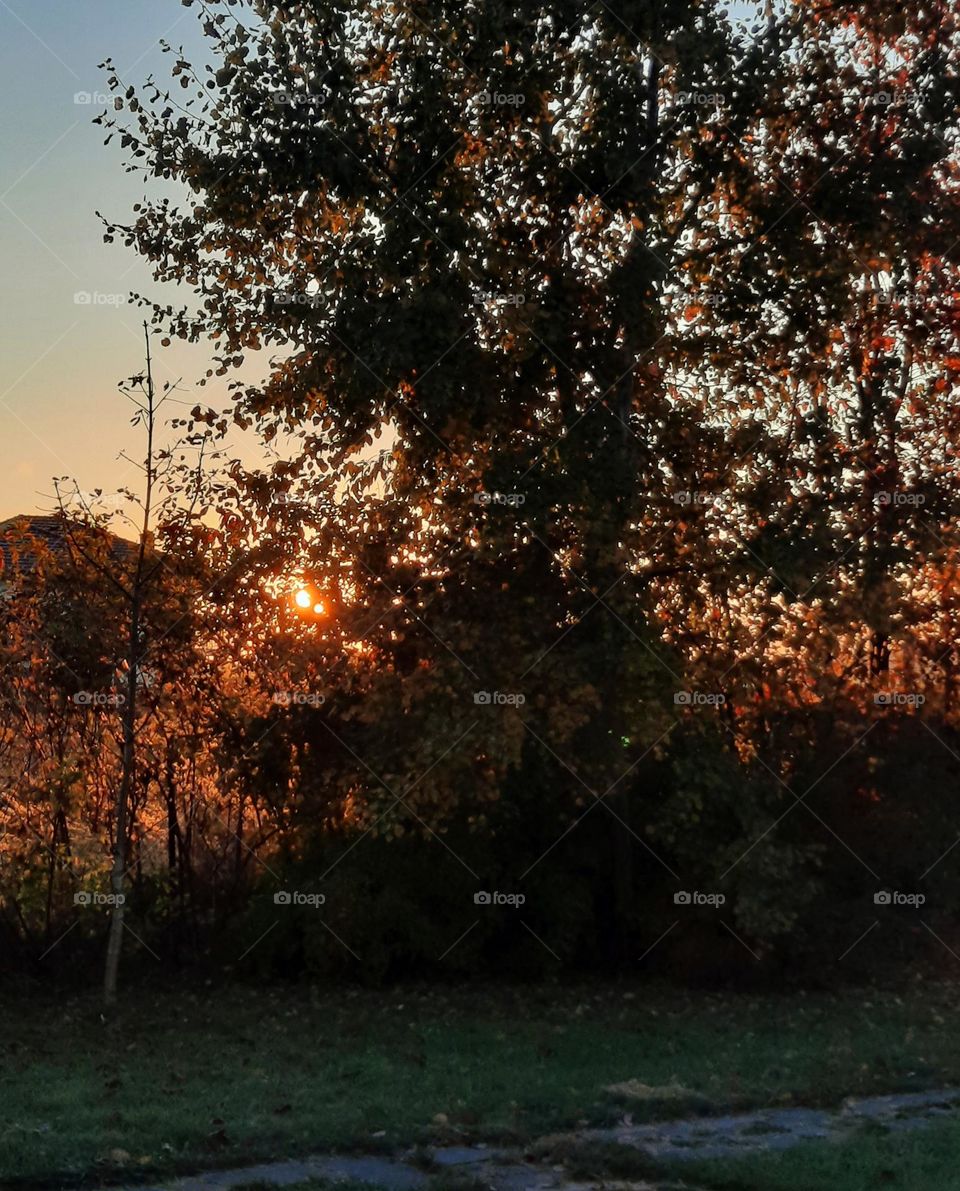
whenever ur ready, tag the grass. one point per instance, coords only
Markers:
(187, 1079)
(927, 1160)
(872, 1159)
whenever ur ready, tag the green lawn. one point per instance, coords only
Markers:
(219, 1076)
(871, 1159)
(927, 1160)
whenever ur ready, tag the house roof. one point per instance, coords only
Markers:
(26, 538)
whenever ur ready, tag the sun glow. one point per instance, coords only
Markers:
(310, 601)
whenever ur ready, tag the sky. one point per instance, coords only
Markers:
(60, 412)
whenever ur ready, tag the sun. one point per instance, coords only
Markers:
(310, 601)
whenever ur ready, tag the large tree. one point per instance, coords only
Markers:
(576, 345)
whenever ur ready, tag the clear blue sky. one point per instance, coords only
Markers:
(60, 413)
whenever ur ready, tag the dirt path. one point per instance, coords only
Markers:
(756, 1132)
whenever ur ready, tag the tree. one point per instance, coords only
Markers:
(151, 612)
(474, 230)
(573, 397)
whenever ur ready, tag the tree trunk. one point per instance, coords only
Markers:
(119, 868)
(135, 651)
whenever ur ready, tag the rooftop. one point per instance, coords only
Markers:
(24, 539)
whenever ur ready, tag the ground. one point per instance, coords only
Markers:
(185, 1080)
